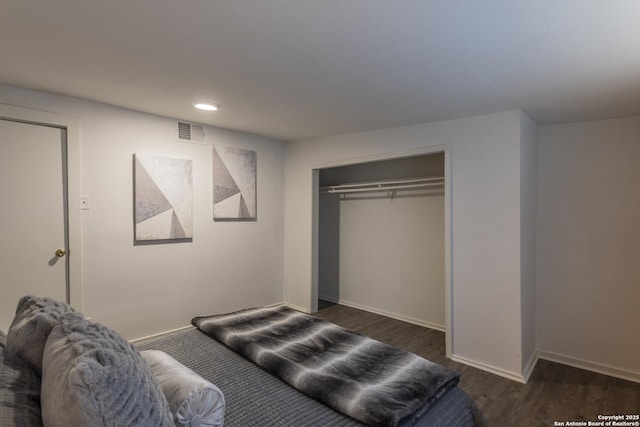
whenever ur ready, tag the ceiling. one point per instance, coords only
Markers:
(299, 69)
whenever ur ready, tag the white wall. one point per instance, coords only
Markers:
(588, 233)
(144, 290)
(588, 269)
(392, 257)
(485, 224)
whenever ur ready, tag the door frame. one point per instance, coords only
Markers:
(71, 126)
(448, 248)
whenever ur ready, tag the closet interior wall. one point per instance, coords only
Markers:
(384, 251)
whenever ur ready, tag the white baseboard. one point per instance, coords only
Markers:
(159, 334)
(135, 340)
(530, 366)
(295, 307)
(491, 369)
(396, 316)
(329, 299)
(599, 368)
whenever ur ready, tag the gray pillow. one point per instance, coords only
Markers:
(19, 392)
(91, 376)
(194, 401)
(3, 339)
(35, 317)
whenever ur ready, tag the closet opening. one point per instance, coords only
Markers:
(381, 238)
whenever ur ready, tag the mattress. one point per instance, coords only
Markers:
(256, 398)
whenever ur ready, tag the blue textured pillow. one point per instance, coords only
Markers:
(91, 376)
(34, 319)
(19, 392)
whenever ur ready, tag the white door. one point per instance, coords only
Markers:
(32, 215)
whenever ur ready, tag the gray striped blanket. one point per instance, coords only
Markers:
(370, 381)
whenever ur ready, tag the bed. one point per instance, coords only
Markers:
(255, 397)
(272, 367)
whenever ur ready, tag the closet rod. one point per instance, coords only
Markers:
(383, 188)
(384, 185)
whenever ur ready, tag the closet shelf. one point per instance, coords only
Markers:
(386, 186)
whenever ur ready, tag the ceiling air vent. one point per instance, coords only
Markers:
(188, 132)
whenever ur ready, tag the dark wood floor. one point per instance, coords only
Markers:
(554, 392)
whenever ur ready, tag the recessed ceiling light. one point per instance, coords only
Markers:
(206, 107)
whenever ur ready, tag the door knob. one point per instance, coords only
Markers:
(60, 253)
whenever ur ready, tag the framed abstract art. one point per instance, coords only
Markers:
(163, 199)
(234, 184)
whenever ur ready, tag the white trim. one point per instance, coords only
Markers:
(329, 299)
(383, 156)
(71, 125)
(396, 316)
(159, 334)
(295, 307)
(599, 368)
(315, 239)
(491, 369)
(448, 254)
(448, 241)
(530, 366)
